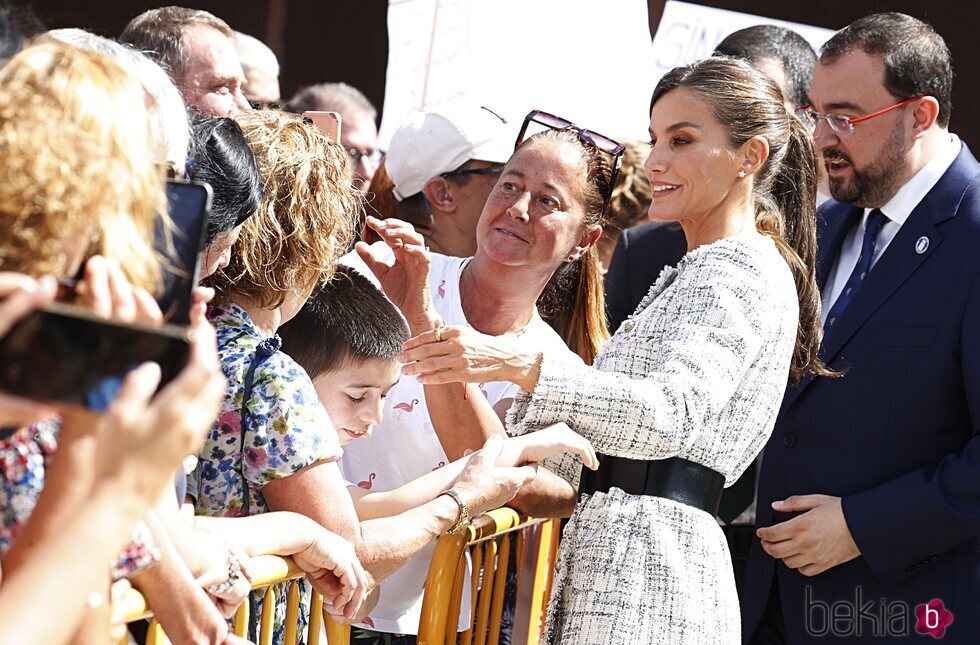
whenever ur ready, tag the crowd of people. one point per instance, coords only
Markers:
(738, 357)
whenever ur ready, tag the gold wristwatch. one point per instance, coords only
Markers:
(463, 522)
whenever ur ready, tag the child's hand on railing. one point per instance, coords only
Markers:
(483, 485)
(554, 440)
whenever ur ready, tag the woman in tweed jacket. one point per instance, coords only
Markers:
(695, 376)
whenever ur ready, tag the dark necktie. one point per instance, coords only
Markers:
(876, 219)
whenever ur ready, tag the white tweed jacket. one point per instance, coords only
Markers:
(697, 372)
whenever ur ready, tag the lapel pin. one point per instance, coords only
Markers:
(922, 245)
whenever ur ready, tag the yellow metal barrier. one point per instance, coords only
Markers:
(490, 541)
(266, 570)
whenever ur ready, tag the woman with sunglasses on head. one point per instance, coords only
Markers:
(542, 217)
(685, 394)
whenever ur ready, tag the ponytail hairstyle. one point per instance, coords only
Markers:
(784, 189)
(574, 302)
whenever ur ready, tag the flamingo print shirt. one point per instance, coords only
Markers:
(404, 446)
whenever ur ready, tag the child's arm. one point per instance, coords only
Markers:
(517, 451)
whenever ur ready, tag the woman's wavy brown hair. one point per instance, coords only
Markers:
(307, 217)
(784, 190)
(77, 160)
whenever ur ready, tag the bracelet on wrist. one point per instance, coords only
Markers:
(234, 574)
(463, 522)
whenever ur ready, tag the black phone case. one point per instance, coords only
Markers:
(63, 353)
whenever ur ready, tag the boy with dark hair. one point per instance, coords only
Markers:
(346, 337)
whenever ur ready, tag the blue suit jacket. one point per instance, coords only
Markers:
(896, 436)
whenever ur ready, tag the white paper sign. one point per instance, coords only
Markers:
(590, 62)
(584, 60)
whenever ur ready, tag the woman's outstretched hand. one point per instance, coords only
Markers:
(464, 355)
(406, 282)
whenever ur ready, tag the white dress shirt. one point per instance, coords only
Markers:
(897, 210)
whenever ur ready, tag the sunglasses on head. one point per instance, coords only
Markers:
(588, 137)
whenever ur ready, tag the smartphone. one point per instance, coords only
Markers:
(189, 206)
(65, 354)
(327, 122)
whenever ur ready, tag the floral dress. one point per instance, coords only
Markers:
(25, 454)
(287, 429)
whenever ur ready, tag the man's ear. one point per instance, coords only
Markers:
(924, 114)
(439, 195)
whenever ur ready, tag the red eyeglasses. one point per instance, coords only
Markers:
(844, 124)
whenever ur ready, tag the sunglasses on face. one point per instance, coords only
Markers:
(495, 169)
(588, 137)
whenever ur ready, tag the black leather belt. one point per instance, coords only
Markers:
(674, 478)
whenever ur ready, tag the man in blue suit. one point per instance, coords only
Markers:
(869, 494)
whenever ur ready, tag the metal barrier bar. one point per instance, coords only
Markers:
(490, 543)
(266, 571)
(489, 540)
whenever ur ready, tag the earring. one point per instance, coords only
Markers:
(570, 258)
(741, 173)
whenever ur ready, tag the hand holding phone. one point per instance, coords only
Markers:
(68, 354)
(19, 295)
(144, 436)
(107, 292)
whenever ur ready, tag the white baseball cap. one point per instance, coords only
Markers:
(437, 141)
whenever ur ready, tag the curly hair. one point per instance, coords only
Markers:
(307, 217)
(77, 159)
(632, 195)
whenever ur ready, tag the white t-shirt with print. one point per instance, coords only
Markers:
(404, 446)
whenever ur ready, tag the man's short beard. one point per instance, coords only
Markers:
(873, 187)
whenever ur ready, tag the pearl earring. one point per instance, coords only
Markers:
(741, 173)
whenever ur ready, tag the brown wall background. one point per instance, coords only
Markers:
(347, 40)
